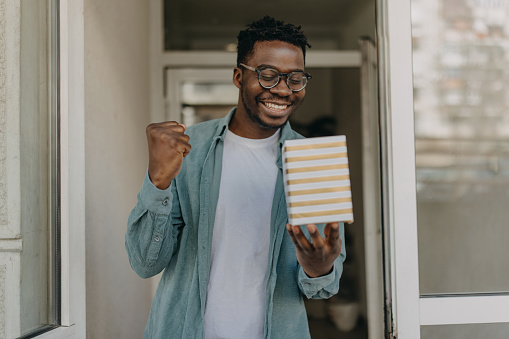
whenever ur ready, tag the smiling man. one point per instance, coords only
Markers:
(264, 99)
(212, 214)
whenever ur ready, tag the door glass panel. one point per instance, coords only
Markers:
(492, 331)
(39, 305)
(461, 91)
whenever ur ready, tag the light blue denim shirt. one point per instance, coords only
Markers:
(171, 230)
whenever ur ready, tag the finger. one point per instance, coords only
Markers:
(171, 125)
(164, 130)
(292, 236)
(164, 124)
(180, 136)
(187, 148)
(326, 230)
(186, 152)
(179, 128)
(182, 146)
(333, 239)
(301, 238)
(317, 239)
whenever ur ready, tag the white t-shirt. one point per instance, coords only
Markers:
(235, 306)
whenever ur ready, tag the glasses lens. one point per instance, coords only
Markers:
(297, 81)
(268, 77)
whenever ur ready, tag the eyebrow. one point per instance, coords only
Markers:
(274, 67)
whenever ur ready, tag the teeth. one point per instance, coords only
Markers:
(275, 107)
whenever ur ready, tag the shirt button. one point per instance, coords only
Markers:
(156, 238)
(165, 201)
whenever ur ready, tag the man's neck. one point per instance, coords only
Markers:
(243, 126)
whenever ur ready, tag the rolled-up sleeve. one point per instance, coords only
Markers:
(325, 286)
(151, 237)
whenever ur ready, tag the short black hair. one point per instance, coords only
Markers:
(269, 29)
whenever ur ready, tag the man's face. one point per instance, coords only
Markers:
(269, 109)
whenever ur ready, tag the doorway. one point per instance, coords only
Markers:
(334, 104)
(194, 74)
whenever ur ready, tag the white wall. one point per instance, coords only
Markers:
(10, 226)
(116, 113)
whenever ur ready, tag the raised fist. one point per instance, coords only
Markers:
(167, 147)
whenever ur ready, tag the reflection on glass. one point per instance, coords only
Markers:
(461, 91)
(491, 331)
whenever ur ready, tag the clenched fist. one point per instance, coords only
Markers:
(167, 147)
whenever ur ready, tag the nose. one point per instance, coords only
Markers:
(281, 88)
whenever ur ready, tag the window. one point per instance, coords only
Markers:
(446, 180)
(39, 194)
(42, 266)
(462, 148)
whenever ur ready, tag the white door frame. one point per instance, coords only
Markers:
(398, 166)
(372, 214)
(372, 197)
(178, 66)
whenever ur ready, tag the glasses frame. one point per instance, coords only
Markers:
(259, 70)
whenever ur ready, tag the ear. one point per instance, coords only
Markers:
(237, 77)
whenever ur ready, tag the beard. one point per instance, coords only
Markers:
(256, 117)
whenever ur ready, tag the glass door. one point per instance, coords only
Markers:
(447, 178)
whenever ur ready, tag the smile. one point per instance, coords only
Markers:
(275, 107)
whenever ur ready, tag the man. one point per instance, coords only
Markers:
(212, 211)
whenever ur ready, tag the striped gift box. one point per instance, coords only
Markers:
(317, 180)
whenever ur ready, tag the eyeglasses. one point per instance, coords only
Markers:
(269, 78)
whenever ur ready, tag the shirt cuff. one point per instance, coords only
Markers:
(155, 200)
(317, 283)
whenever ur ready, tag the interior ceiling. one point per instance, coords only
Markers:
(318, 12)
(188, 20)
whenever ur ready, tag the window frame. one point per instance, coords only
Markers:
(72, 172)
(407, 309)
(398, 168)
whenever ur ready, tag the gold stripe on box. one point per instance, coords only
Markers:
(320, 202)
(315, 146)
(320, 213)
(320, 190)
(318, 179)
(316, 168)
(317, 157)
